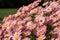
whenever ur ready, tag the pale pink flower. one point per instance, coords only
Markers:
(57, 29)
(18, 14)
(7, 36)
(54, 4)
(55, 17)
(5, 39)
(39, 0)
(30, 25)
(18, 27)
(26, 33)
(5, 19)
(52, 38)
(56, 23)
(5, 25)
(8, 18)
(44, 4)
(0, 31)
(42, 37)
(40, 19)
(41, 30)
(16, 36)
(57, 39)
(32, 5)
(25, 8)
(48, 9)
(10, 23)
(21, 22)
(58, 13)
(26, 38)
(40, 11)
(28, 18)
(35, 4)
(34, 11)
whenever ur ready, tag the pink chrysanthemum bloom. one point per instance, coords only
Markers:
(44, 4)
(16, 36)
(40, 30)
(48, 9)
(26, 38)
(40, 11)
(42, 37)
(28, 18)
(40, 19)
(54, 4)
(56, 23)
(30, 25)
(34, 11)
(26, 33)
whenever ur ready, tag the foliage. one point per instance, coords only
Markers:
(6, 12)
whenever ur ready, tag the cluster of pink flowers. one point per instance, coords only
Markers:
(32, 19)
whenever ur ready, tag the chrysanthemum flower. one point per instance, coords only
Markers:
(42, 37)
(54, 4)
(16, 36)
(31, 25)
(40, 19)
(26, 38)
(48, 9)
(41, 30)
(26, 33)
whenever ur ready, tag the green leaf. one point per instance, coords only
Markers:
(33, 37)
(49, 29)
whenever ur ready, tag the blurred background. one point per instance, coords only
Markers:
(10, 6)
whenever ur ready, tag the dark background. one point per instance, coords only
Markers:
(15, 3)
